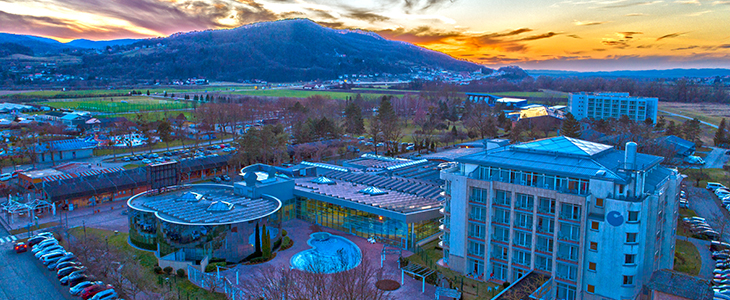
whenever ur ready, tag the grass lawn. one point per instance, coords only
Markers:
(146, 259)
(131, 166)
(119, 104)
(155, 115)
(39, 226)
(472, 289)
(687, 258)
(683, 230)
(705, 175)
(101, 92)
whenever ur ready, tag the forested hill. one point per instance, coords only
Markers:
(279, 51)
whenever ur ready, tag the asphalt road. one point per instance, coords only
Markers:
(706, 205)
(23, 277)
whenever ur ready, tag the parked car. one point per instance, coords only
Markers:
(68, 270)
(714, 185)
(60, 265)
(683, 203)
(126, 159)
(79, 288)
(36, 239)
(45, 258)
(47, 250)
(226, 178)
(20, 247)
(217, 179)
(74, 281)
(54, 259)
(719, 246)
(92, 290)
(69, 257)
(74, 275)
(46, 242)
(105, 295)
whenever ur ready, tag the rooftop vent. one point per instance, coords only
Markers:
(372, 191)
(190, 197)
(219, 206)
(324, 180)
(601, 173)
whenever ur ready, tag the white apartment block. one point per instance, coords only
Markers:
(596, 220)
(612, 105)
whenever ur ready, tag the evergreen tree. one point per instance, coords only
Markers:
(165, 94)
(148, 92)
(502, 119)
(649, 122)
(354, 122)
(571, 127)
(257, 240)
(265, 243)
(454, 132)
(720, 135)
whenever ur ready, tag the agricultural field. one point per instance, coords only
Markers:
(60, 94)
(711, 113)
(119, 104)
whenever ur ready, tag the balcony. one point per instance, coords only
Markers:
(544, 249)
(503, 221)
(570, 217)
(549, 230)
(568, 257)
(546, 210)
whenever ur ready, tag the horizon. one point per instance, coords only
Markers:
(584, 36)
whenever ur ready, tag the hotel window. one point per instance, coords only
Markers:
(543, 263)
(500, 271)
(501, 216)
(521, 257)
(523, 221)
(567, 252)
(591, 266)
(565, 271)
(476, 230)
(631, 237)
(633, 216)
(570, 212)
(501, 234)
(594, 225)
(499, 252)
(476, 248)
(593, 246)
(629, 259)
(628, 280)
(478, 213)
(525, 202)
(544, 244)
(523, 239)
(545, 225)
(591, 289)
(547, 205)
(569, 232)
(478, 195)
(599, 202)
(502, 197)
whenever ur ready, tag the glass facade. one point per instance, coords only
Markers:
(546, 181)
(365, 224)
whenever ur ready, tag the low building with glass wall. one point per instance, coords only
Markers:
(204, 222)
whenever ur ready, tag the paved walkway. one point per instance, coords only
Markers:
(299, 232)
(105, 216)
(708, 264)
(716, 158)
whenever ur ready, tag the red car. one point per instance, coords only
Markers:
(20, 247)
(93, 290)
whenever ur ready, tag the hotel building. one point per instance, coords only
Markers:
(596, 220)
(612, 105)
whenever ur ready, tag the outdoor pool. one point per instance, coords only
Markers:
(329, 254)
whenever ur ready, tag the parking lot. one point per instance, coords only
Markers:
(159, 157)
(22, 277)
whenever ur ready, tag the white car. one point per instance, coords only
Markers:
(77, 289)
(6, 176)
(714, 185)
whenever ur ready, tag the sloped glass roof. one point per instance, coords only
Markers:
(190, 197)
(324, 180)
(373, 191)
(219, 206)
(565, 145)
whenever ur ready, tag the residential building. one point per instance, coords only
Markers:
(598, 221)
(68, 149)
(673, 285)
(612, 105)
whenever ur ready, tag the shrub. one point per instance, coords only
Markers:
(403, 262)
(168, 270)
(180, 273)
(283, 232)
(212, 267)
(286, 243)
(158, 270)
(506, 284)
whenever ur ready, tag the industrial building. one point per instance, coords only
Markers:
(596, 220)
(612, 105)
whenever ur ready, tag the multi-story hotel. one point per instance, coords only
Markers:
(597, 221)
(612, 105)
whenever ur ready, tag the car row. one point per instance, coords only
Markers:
(221, 178)
(69, 271)
(699, 228)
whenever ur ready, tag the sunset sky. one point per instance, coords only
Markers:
(582, 35)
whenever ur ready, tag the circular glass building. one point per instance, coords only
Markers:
(193, 223)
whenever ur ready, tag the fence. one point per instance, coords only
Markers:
(221, 284)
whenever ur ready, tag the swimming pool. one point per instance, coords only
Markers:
(329, 254)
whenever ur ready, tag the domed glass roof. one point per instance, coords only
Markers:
(219, 206)
(324, 180)
(190, 197)
(373, 191)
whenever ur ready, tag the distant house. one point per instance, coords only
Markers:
(64, 150)
(682, 147)
(74, 119)
(55, 115)
(485, 143)
(672, 285)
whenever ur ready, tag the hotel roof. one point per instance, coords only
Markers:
(218, 205)
(368, 195)
(563, 156)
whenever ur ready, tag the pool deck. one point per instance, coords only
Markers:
(299, 232)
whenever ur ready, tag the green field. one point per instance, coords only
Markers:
(59, 94)
(687, 258)
(303, 94)
(119, 104)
